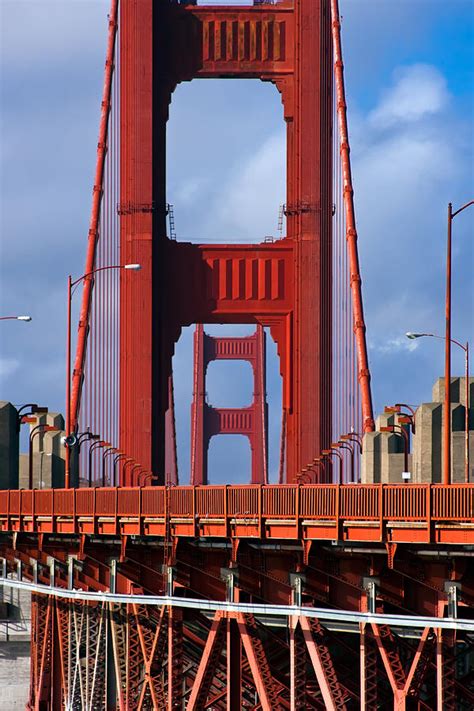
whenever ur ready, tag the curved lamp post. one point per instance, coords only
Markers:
(127, 477)
(105, 454)
(132, 470)
(448, 340)
(345, 445)
(94, 445)
(328, 453)
(447, 406)
(117, 459)
(70, 285)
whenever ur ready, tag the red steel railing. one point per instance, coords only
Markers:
(377, 502)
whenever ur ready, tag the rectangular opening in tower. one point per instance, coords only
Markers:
(226, 149)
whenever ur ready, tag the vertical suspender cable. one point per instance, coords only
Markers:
(351, 232)
(84, 319)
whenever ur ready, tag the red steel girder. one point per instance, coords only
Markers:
(334, 695)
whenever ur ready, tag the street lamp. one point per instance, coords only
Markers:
(350, 447)
(447, 413)
(105, 454)
(328, 453)
(128, 476)
(15, 318)
(36, 431)
(139, 467)
(404, 418)
(23, 417)
(447, 366)
(70, 285)
(99, 443)
(116, 460)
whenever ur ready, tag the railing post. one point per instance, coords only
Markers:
(194, 510)
(428, 510)
(381, 512)
(33, 511)
(297, 510)
(94, 520)
(140, 510)
(338, 511)
(260, 510)
(116, 509)
(226, 509)
(74, 522)
(8, 511)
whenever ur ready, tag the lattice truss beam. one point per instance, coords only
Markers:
(98, 656)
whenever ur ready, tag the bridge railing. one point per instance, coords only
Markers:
(350, 502)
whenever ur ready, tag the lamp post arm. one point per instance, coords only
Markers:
(463, 207)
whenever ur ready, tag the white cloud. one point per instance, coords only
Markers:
(419, 90)
(394, 345)
(253, 193)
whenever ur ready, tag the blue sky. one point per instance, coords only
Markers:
(409, 78)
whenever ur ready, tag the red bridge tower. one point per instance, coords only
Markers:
(207, 421)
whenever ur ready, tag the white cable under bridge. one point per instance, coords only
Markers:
(342, 616)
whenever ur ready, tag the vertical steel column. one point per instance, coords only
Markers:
(309, 199)
(234, 667)
(175, 659)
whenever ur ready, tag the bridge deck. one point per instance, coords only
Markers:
(385, 513)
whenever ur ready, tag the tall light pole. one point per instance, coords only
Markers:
(465, 348)
(447, 364)
(70, 285)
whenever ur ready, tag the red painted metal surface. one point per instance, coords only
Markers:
(287, 285)
(208, 421)
(388, 513)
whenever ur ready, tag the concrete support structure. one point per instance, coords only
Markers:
(382, 459)
(9, 445)
(383, 454)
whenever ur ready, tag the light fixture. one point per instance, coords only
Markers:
(133, 267)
